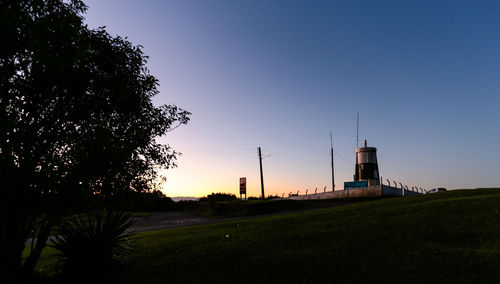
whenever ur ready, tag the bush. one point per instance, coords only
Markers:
(221, 208)
(145, 201)
(219, 197)
(187, 205)
(272, 197)
(92, 243)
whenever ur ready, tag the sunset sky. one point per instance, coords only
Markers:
(423, 75)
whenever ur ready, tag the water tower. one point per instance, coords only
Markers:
(367, 166)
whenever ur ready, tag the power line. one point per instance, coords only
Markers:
(289, 162)
(215, 153)
(343, 158)
(208, 150)
(293, 158)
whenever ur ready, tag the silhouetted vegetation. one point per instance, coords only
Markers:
(76, 121)
(92, 244)
(267, 198)
(145, 201)
(254, 198)
(218, 197)
(187, 205)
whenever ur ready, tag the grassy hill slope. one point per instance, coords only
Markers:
(446, 237)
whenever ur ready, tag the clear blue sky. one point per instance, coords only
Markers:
(424, 76)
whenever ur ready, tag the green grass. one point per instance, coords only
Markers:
(259, 207)
(444, 237)
(141, 214)
(46, 267)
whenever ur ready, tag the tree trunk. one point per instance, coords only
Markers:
(12, 241)
(40, 243)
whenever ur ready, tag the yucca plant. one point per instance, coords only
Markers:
(93, 243)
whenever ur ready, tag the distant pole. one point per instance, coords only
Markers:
(331, 154)
(261, 175)
(357, 130)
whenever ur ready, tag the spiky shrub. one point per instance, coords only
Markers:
(93, 243)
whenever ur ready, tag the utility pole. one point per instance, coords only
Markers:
(331, 154)
(261, 175)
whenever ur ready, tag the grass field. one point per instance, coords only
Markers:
(444, 237)
(260, 207)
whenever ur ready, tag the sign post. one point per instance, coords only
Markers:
(243, 187)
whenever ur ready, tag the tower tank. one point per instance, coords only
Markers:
(366, 165)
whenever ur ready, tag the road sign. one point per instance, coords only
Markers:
(243, 185)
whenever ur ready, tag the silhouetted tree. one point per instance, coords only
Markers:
(76, 120)
(219, 197)
(148, 201)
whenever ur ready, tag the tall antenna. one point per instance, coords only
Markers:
(331, 140)
(357, 130)
(261, 176)
(331, 153)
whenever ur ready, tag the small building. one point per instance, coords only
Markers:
(366, 171)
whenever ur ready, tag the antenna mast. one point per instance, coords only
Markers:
(261, 176)
(357, 130)
(331, 153)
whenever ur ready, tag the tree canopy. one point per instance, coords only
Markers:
(76, 114)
